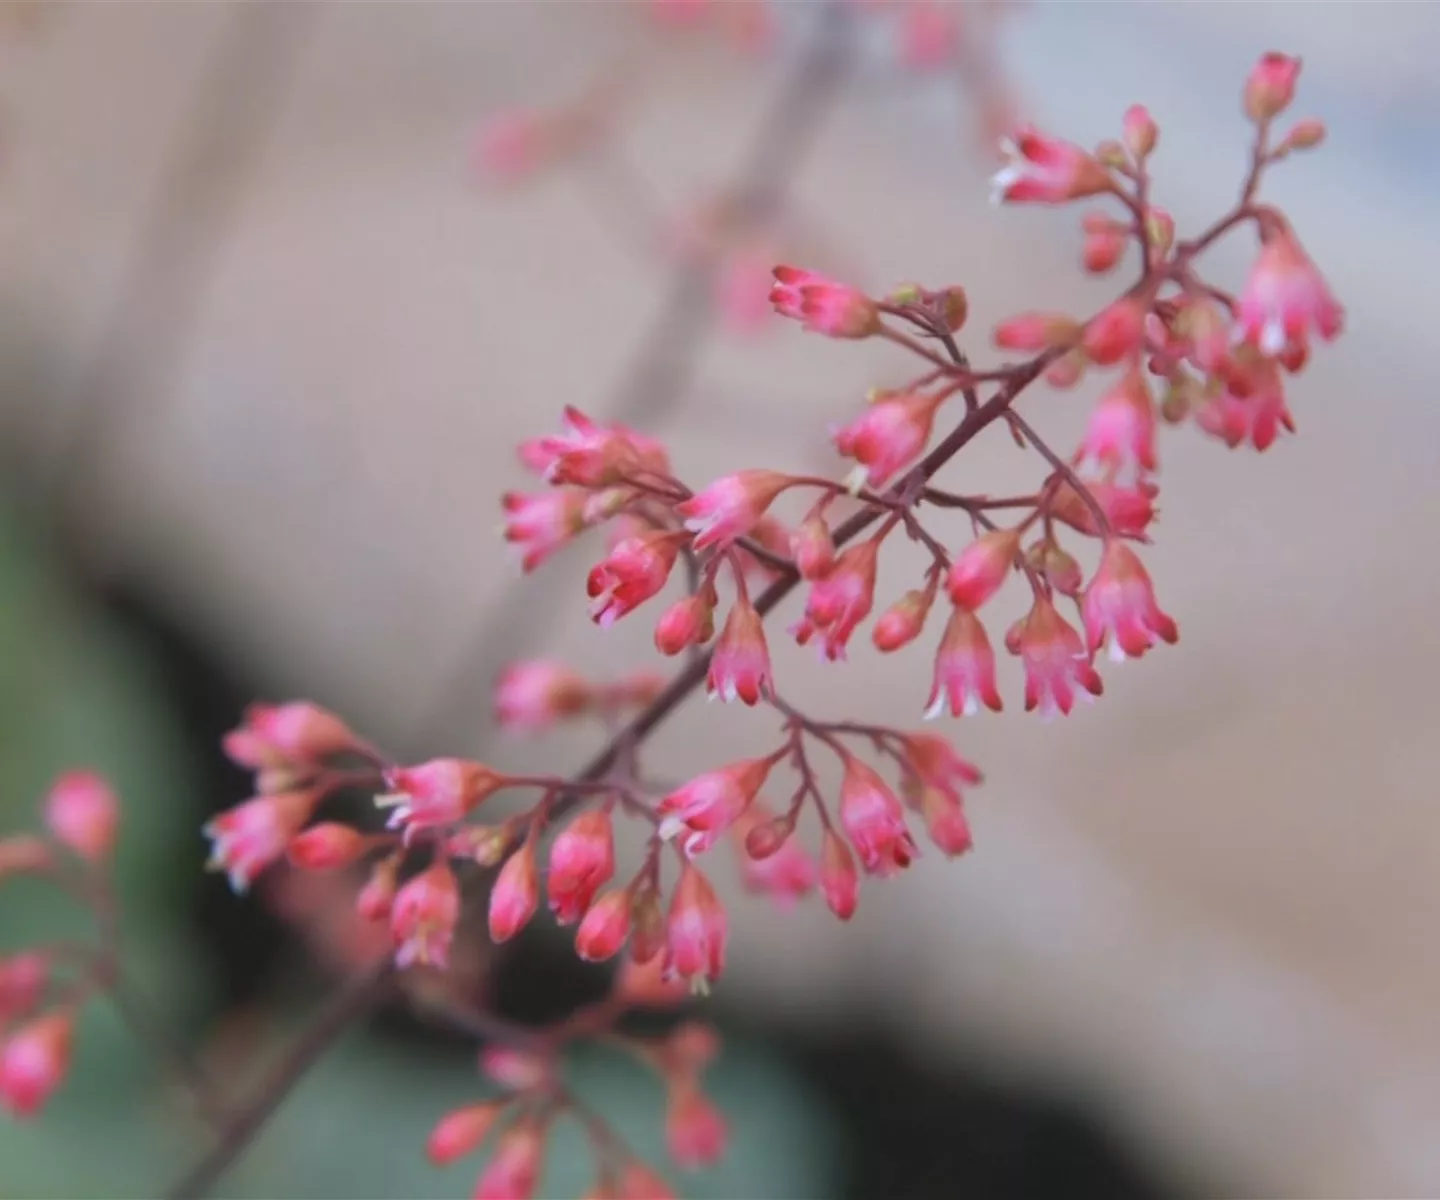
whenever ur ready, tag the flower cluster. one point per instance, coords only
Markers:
(1174, 346)
(526, 1066)
(43, 987)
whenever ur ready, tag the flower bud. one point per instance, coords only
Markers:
(1271, 86)
(1140, 131)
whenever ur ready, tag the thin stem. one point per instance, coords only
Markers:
(1062, 468)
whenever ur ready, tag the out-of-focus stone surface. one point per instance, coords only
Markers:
(1212, 894)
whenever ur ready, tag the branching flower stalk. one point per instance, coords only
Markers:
(1178, 347)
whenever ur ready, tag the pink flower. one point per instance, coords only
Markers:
(423, 918)
(929, 36)
(531, 696)
(695, 1131)
(514, 1069)
(1271, 86)
(1120, 605)
(436, 793)
(695, 930)
(874, 821)
(709, 804)
(33, 1061)
(327, 846)
(1036, 331)
(1116, 333)
(839, 602)
(1055, 661)
(605, 927)
(516, 894)
(982, 568)
(636, 569)
(690, 621)
(887, 437)
(252, 835)
(740, 666)
(812, 547)
(838, 878)
(964, 669)
(786, 875)
(1140, 131)
(83, 813)
(903, 621)
(1046, 170)
(730, 507)
(23, 978)
(1128, 509)
(582, 860)
(1256, 417)
(540, 523)
(945, 822)
(1284, 296)
(592, 455)
(824, 306)
(461, 1131)
(938, 763)
(514, 1172)
(1121, 432)
(280, 735)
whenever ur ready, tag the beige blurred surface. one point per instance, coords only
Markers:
(1214, 893)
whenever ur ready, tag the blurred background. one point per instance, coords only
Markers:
(266, 346)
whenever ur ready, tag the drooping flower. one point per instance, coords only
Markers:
(937, 763)
(34, 1060)
(1116, 333)
(582, 860)
(731, 506)
(1055, 661)
(516, 894)
(695, 1130)
(1119, 606)
(604, 927)
(1285, 296)
(249, 837)
(513, 1173)
(786, 874)
(903, 621)
(1121, 433)
(838, 878)
(964, 669)
(1046, 170)
(695, 930)
(423, 918)
(636, 570)
(874, 820)
(982, 567)
(690, 621)
(812, 547)
(887, 436)
(1129, 509)
(82, 812)
(740, 666)
(841, 600)
(944, 814)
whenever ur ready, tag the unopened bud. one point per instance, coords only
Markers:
(1140, 131)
